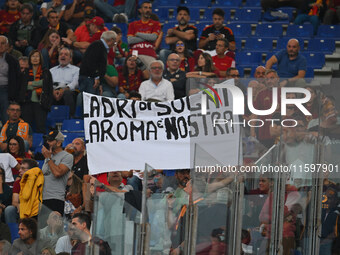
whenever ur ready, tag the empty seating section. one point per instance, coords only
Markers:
(240, 30)
(269, 30)
(248, 59)
(253, 3)
(247, 15)
(73, 125)
(231, 3)
(301, 31)
(315, 60)
(57, 115)
(321, 45)
(259, 44)
(328, 31)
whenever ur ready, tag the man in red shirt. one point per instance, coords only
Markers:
(96, 27)
(143, 33)
(8, 16)
(221, 61)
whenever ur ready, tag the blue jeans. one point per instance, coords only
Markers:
(11, 214)
(46, 58)
(3, 104)
(313, 19)
(109, 10)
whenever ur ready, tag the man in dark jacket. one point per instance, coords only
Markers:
(25, 33)
(10, 79)
(93, 66)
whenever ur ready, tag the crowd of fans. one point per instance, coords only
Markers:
(50, 54)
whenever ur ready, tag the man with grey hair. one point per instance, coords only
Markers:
(93, 66)
(65, 80)
(10, 79)
(175, 75)
(56, 168)
(157, 88)
(290, 64)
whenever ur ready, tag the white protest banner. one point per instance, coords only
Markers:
(126, 134)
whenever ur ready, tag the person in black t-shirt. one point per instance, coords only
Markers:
(77, 149)
(185, 32)
(216, 31)
(53, 23)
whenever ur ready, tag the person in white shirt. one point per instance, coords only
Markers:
(7, 162)
(157, 88)
(65, 80)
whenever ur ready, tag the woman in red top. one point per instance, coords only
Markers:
(187, 62)
(49, 47)
(131, 75)
(16, 147)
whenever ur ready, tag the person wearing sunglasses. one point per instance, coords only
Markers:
(15, 126)
(183, 31)
(187, 61)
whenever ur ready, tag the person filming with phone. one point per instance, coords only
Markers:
(56, 169)
(216, 31)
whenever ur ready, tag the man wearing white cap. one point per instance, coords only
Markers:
(56, 169)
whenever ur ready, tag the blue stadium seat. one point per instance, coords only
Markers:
(59, 113)
(79, 112)
(41, 163)
(238, 42)
(315, 60)
(253, 3)
(230, 3)
(73, 125)
(194, 14)
(269, 30)
(248, 59)
(240, 30)
(327, 31)
(241, 71)
(247, 15)
(199, 3)
(162, 3)
(69, 137)
(324, 45)
(259, 44)
(282, 43)
(37, 141)
(300, 31)
(162, 13)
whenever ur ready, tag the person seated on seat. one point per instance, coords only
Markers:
(131, 75)
(187, 61)
(205, 67)
(50, 234)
